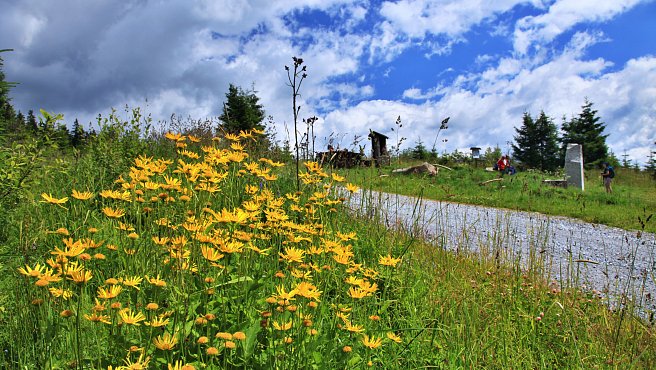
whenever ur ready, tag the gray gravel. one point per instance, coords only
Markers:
(608, 261)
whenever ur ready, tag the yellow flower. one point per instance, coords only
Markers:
(156, 281)
(131, 318)
(284, 295)
(33, 272)
(282, 327)
(212, 351)
(394, 337)
(230, 344)
(50, 199)
(224, 336)
(372, 342)
(357, 293)
(293, 255)
(160, 241)
(308, 290)
(352, 188)
(82, 195)
(62, 231)
(232, 137)
(49, 276)
(179, 365)
(368, 287)
(211, 254)
(113, 292)
(61, 293)
(113, 213)
(354, 328)
(165, 342)
(80, 276)
(203, 340)
(388, 261)
(133, 282)
(337, 177)
(157, 322)
(133, 236)
(174, 136)
(98, 318)
(140, 363)
(239, 335)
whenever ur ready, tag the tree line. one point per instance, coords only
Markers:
(537, 143)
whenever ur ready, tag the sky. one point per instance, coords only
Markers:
(482, 63)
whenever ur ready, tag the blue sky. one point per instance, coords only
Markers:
(482, 63)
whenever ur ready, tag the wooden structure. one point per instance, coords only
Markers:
(379, 153)
(339, 158)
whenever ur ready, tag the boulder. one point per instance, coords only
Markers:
(424, 168)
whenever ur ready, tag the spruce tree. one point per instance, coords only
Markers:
(78, 135)
(587, 130)
(31, 122)
(241, 111)
(537, 143)
(526, 149)
(419, 151)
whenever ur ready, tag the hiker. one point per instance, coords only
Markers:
(502, 164)
(607, 175)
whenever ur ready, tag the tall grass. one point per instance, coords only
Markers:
(208, 257)
(633, 198)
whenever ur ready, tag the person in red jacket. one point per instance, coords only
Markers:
(502, 164)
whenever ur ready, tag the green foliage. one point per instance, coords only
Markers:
(651, 165)
(448, 310)
(117, 142)
(537, 143)
(6, 110)
(586, 129)
(419, 151)
(241, 111)
(492, 155)
(18, 161)
(633, 192)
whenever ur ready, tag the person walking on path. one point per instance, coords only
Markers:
(607, 175)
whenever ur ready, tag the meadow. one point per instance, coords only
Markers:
(629, 207)
(183, 251)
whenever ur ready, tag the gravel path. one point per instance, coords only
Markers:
(600, 258)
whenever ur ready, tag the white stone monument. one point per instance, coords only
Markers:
(574, 166)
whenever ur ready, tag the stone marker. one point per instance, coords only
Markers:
(574, 166)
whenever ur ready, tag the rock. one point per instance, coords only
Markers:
(425, 167)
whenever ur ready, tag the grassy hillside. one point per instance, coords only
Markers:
(198, 253)
(629, 206)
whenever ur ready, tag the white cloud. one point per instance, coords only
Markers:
(416, 18)
(562, 16)
(485, 107)
(181, 56)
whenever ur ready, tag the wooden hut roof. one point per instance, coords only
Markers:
(374, 133)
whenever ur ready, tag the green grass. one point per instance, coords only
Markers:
(448, 310)
(633, 199)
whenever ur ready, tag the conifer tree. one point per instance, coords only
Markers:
(241, 111)
(31, 122)
(587, 130)
(78, 135)
(537, 143)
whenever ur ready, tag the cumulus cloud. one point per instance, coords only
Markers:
(487, 114)
(416, 18)
(562, 16)
(83, 58)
